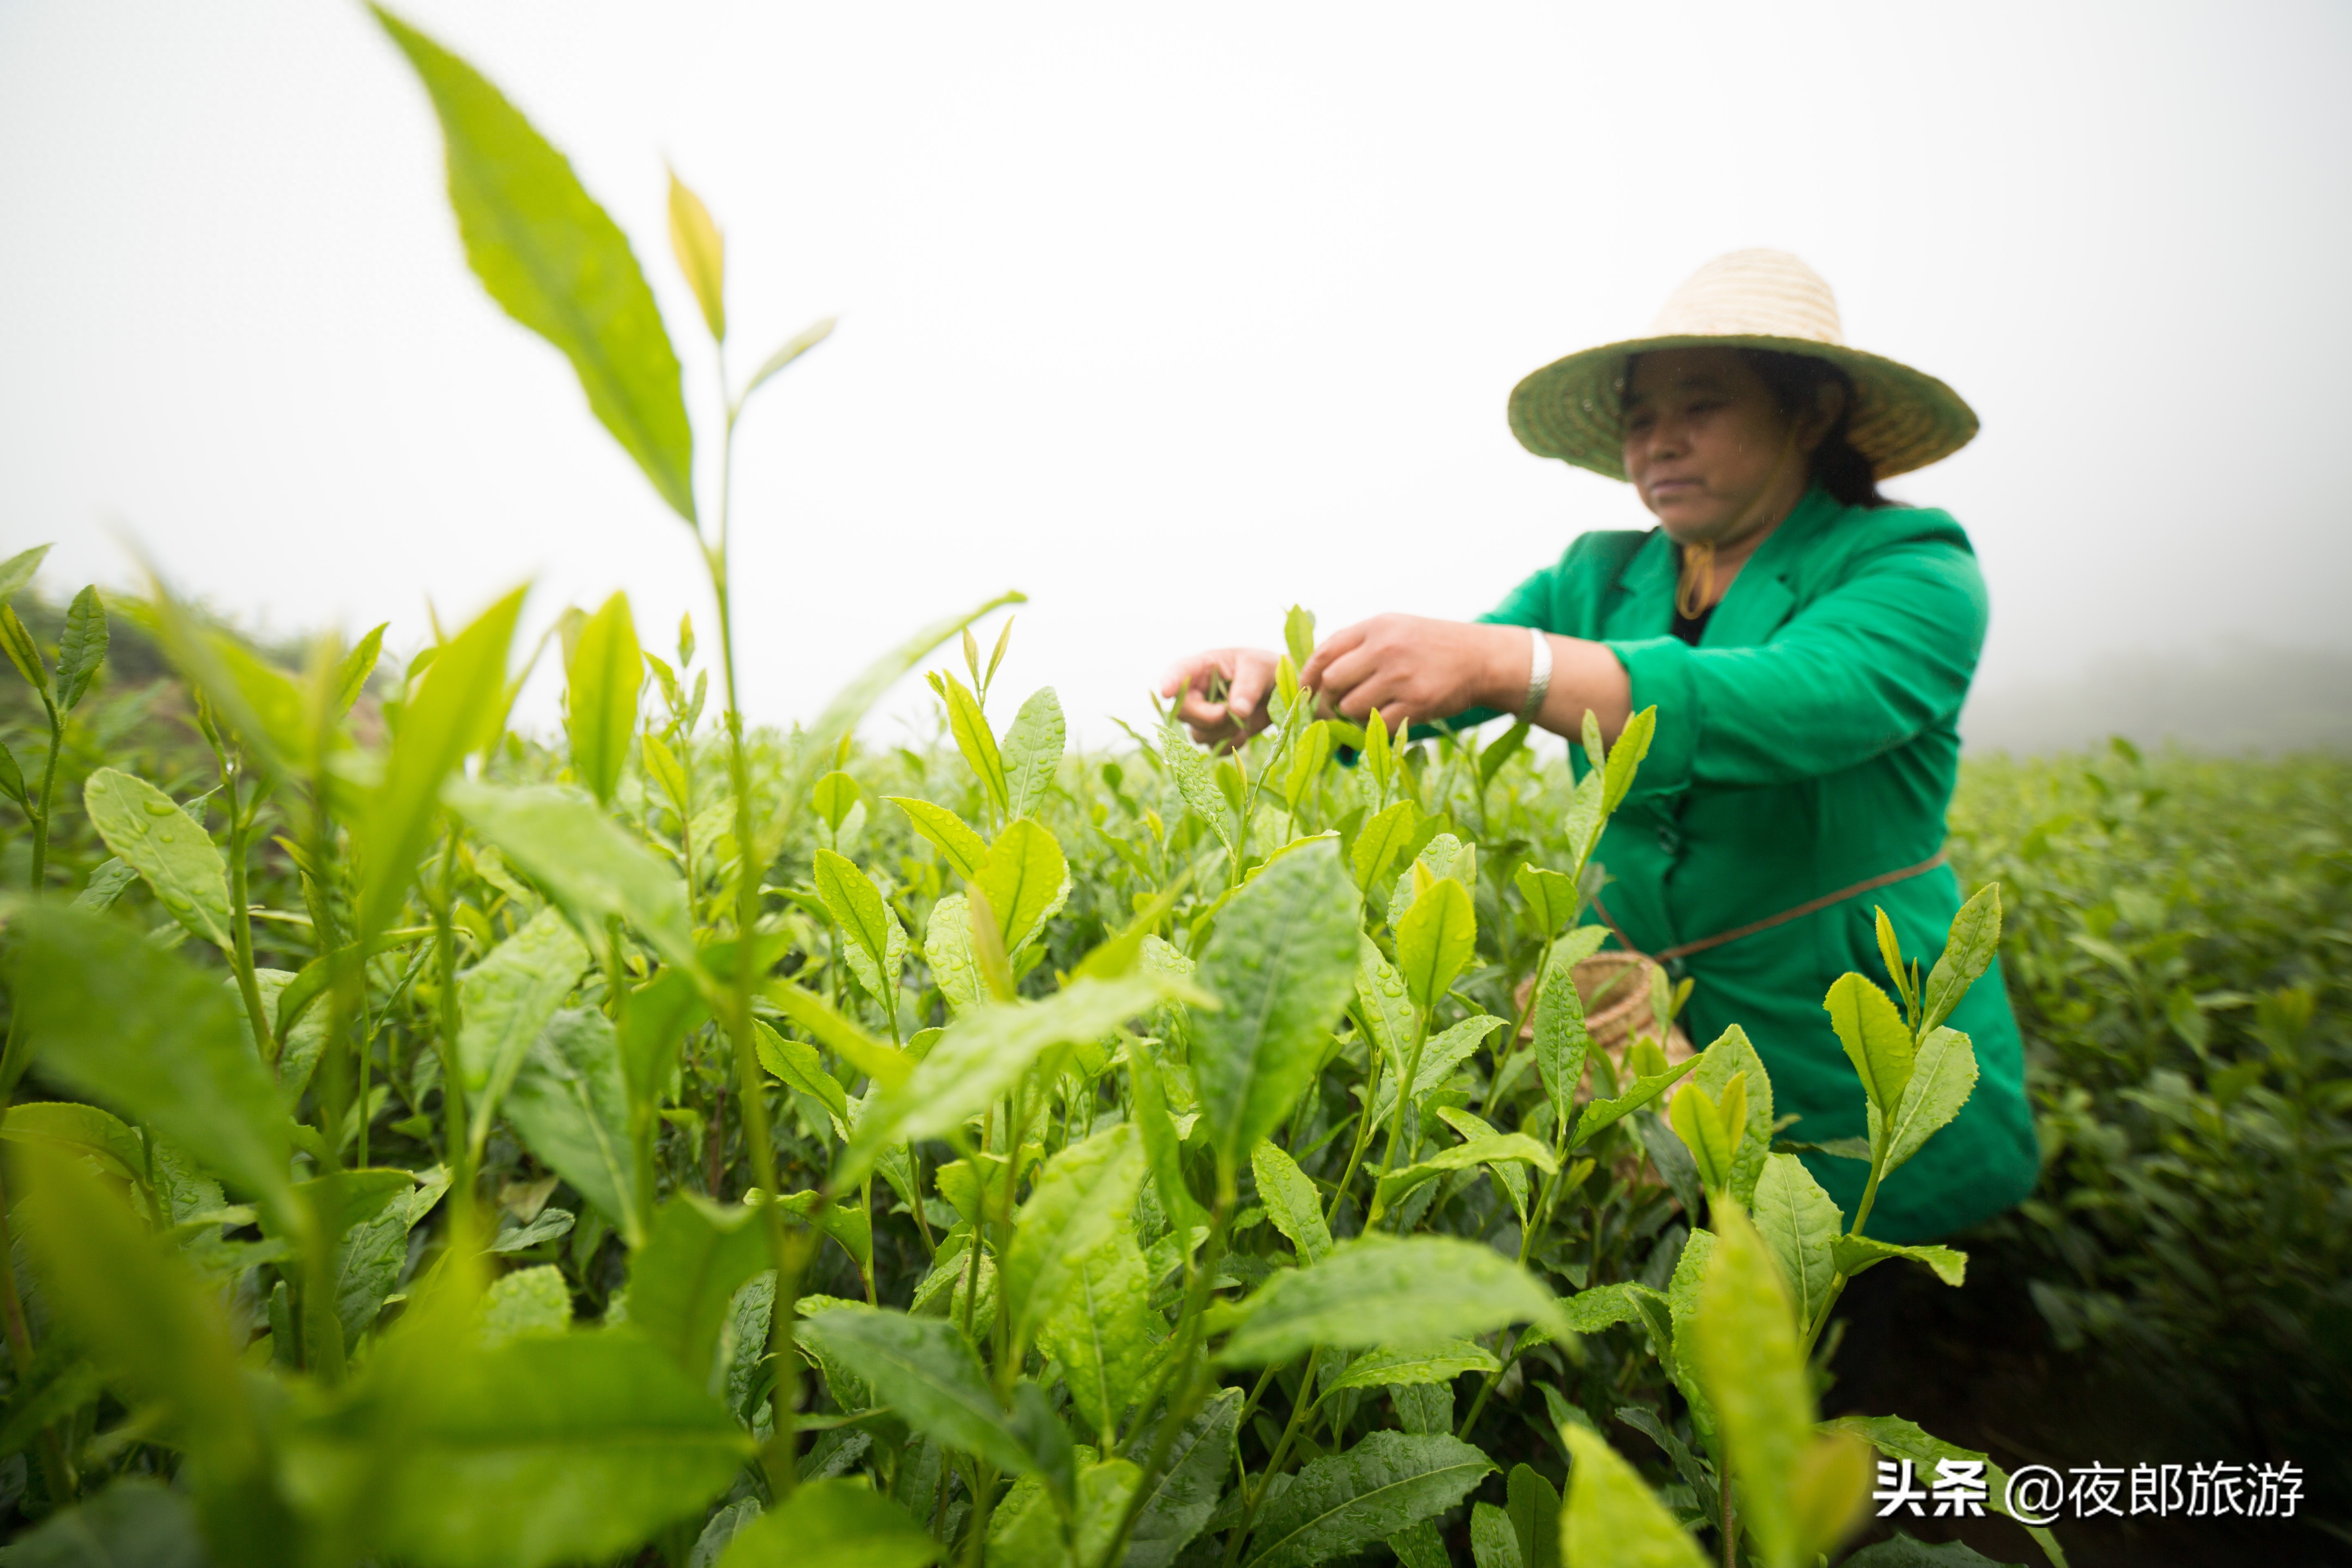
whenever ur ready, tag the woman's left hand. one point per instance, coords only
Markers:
(1413, 667)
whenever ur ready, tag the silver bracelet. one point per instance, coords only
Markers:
(1538, 675)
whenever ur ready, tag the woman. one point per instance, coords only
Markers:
(1807, 644)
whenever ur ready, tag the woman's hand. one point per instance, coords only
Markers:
(1243, 675)
(1413, 668)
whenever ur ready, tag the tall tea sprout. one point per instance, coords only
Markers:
(557, 263)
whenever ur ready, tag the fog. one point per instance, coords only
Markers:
(1172, 316)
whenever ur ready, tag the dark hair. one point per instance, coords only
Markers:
(1795, 381)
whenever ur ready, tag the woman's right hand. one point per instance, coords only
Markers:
(1243, 674)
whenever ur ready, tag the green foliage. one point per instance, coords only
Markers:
(624, 1177)
(549, 255)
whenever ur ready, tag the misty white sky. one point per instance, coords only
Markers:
(1169, 315)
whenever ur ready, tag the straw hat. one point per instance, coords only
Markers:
(1903, 418)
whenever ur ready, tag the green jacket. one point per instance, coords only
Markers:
(1806, 744)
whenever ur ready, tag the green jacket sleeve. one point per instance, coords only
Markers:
(1880, 657)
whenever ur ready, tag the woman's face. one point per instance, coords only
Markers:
(1705, 447)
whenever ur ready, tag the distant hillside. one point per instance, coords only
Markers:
(2237, 696)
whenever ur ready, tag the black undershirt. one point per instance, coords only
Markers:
(1690, 628)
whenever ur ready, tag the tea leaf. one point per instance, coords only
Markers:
(1800, 1223)
(1388, 1481)
(1440, 1362)
(1375, 1290)
(1281, 964)
(833, 1522)
(368, 1261)
(683, 1279)
(1104, 1332)
(791, 348)
(1748, 1357)
(1386, 1011)
(1380, 755)
(1968, 953)
(1627, 1302)
(1079, 1203)
(605, 673)
(965, 852)
(653, 1026)
(1160, 1142)
(1494, 1149)
(115, 1018)
(1493, 1543)
(599, 1432)
(1610, 1519)
(81, 648)
(505, 1001)
(457, 703)
(133, 1520)
(850, 703)
(358, 666)
(1625, 757)
(166, 846)
(1308, 759)
(1027, 1527)
(857, 907)
(1291, 1201)
(926, 1371)
(1601, 1113)
(1856, 1253)
(22, 650)
(1561, 1040)
(701, 252)
(1436, 940)
(1298, 635)
(795, 1062)
(1033, 751)
(562, 842)
(1194, 782)
(1944, 1078)
(552, 259)
(1026, 880)
(983, 1054)
(1710, 1132)
(1682, 1310)
(948, 947)
(1441, 1056)
(978, 745)
(18, 569)
(1732, 1056)
(1535, 1518)
(571, 1102)
(529, 1301)
(1381, 840)
(1551, 897)
(81, 1130)
(156, 1331)
(1874, 1037)
(1187, 1494)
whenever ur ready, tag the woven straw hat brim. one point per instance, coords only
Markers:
(1573, 408)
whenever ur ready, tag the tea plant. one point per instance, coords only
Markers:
(991, 1161)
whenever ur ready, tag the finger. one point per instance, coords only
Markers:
(1338, 642)
(1196, 709)
(1378, 692)
(1185, 672)
(1248, 688)
(1350, 669)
